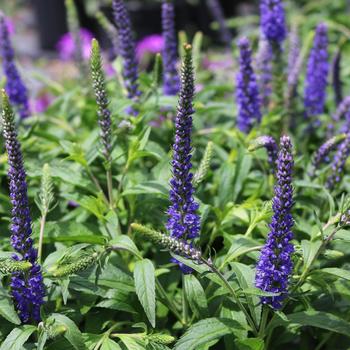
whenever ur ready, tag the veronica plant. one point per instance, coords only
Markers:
(27, 288)
(317, 74)
(127, 52)
(247, 93)
(171, 80)
(15, 87)
(183, 221)
(275, 265)
(103, 112)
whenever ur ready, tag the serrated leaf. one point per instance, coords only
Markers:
(109, 344)
(246, 277)
(17, 338)
(196, 296)
(72, 333)
(145, 288)
(317, 319)
(205, 331)
(125, 243)
(132, 343)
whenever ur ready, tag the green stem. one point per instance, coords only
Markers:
(234, 295)
(110, 187)
(265, 314)
(125, 170)
(96, 183)
(184, 302)
(167, 301)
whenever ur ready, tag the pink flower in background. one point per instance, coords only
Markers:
(150, 44)
(10, 25)
(41, 103)
(66, 47)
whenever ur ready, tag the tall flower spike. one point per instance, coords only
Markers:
(293, 54)
(343, 112)
(218, 15)
(269, 143)
(247, 92)
(183, 219)
(103, 112)
(15, 87)
(171, 81)
(275, 264)
(338, 163)
(322, 154)
(27, 288)
(336, 78)
(264, 71)
(272, 21)
(127, 51)
(317, 73)
(74, 28)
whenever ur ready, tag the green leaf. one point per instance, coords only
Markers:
(7, 309)
(336, 272)
(125, 243)
(239, 247)
(205, 331)
(250, 344)
(317, 319)
(310, 250)
(17, 338)
(150, 187)
(145, 288)
(242, 168)
(72, 334)
(196, 296)
(132, 343)
(246, 277)
(109, 344)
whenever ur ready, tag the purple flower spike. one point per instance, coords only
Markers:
(171, 83)
(338, 163)
(264, 70)
(247, 92)
(218, 15)
(127, 50)
(275, 264)
(183, 220)
(322, 154)
(317, 73)
(15, 87)
(293, 56)
(27, 288)
(269, 143)
(272, 21)
(343, 112)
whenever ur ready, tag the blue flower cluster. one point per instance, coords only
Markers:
(183, 219)
(317, 73)
(247, 91)
(275, 264)
(171, 80)
(127, 51)
(15, 87)
(27, 288)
